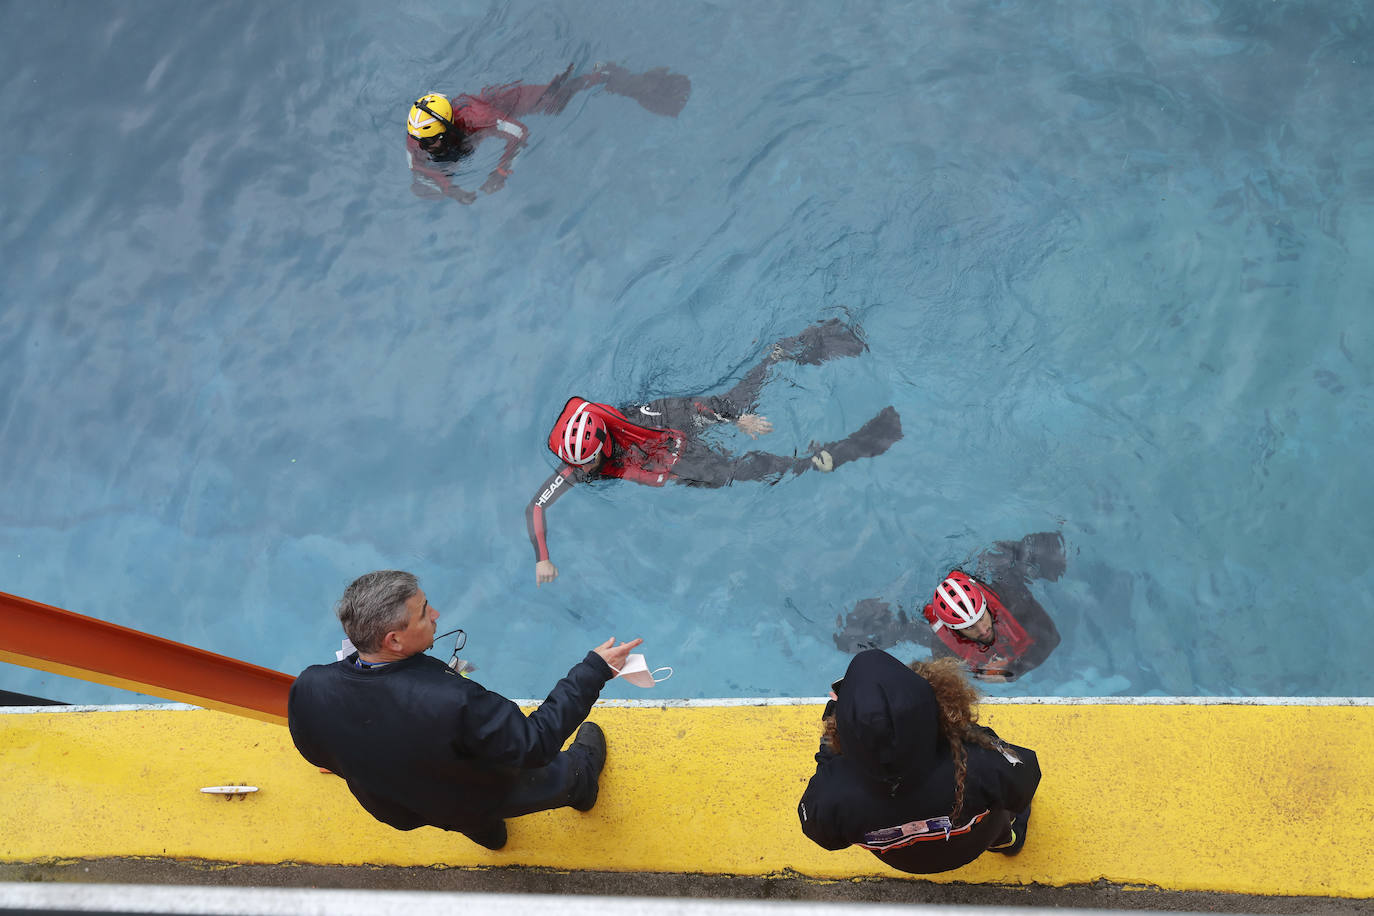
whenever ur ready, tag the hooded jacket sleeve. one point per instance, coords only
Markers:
(827, 801)
(816, 810)
(496, 730)
(1012, 785)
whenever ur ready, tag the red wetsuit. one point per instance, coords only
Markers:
(493, 112)
(490, 112)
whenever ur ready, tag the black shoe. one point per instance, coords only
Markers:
(593, 742)
(820, 342)
(492, 836)
(1019, 826)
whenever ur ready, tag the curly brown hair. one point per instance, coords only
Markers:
(958, 701)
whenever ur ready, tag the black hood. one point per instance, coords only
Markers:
(888, 719)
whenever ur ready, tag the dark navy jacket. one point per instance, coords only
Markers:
(895, 766)
(418, 744)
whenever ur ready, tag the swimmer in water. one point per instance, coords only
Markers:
(988, 618)
(441, 131)
(662, 441)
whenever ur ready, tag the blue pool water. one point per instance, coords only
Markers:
(1107, 258)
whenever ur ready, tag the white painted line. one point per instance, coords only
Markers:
(1006, 701)
(813, 701)
(263, 901)
(123, 707)
(1180, 701)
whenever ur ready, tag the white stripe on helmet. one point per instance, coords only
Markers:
(961, 605)
(572, 441)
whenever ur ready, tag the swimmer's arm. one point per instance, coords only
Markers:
(427, 180)
(535, 525)
(716, 409)
(1041, 627)
(918, 628)
(462, 195)
(515, 135)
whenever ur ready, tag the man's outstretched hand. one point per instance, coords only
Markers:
(544, 571)
(614, 655)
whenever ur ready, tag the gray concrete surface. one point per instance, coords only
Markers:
(1101, 896)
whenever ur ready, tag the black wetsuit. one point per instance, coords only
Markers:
(701, 464)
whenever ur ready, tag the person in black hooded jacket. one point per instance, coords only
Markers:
(905, 772)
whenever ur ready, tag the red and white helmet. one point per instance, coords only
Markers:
(581, 438)
(959, 601)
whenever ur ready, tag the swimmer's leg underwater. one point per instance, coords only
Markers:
(820, 342)
(872, 439)
(703, 466)
(657, 90)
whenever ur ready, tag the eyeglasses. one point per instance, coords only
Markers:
(462, 638)
(454, 661)
(430, 142)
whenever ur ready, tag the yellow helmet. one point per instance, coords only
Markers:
(430, 116)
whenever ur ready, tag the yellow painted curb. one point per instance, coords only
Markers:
(1273, 800)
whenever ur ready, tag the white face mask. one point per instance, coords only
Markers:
(637, 672)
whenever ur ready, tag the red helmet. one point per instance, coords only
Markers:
(580, 439)
(959, 601)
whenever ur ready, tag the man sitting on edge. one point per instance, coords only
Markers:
(419, 745)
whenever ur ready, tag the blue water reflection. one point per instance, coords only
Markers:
(1106, 258)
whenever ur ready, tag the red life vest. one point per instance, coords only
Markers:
(641, 454)
(1009, 639)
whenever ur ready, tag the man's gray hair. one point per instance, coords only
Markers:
(374, 605)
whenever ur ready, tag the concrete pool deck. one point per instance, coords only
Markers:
(1264, 799)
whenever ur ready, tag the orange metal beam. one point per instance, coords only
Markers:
(50, 639)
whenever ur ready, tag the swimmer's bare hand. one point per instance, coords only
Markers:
(754, 425)
(460, 195)
(614, 655)
(544, 571)
(495, 182)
